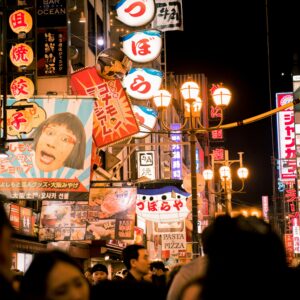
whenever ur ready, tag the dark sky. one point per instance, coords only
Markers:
(232, 47)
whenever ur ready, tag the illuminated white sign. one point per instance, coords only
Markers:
(146, 118)
(142, 83)
(135, 13)
(286, 138)
(146, 164)
(167, 204)
(171, 241)
(142, 46)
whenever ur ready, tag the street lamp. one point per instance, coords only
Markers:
(225, 175)
(192, 116)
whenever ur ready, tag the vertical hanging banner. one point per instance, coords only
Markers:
(169, 15)
(176, 159)
(56, 164)
(286, 139)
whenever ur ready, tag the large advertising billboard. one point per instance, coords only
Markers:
(55, 164)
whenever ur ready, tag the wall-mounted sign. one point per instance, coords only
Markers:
(52, 52)
(146, 118)
(20, 21)
(21, 55)
(173, 241)
(142, 83)
(142, 46)
(167, 204)
(146, 164)
(22, 88)
(51, 13)
(135, 13)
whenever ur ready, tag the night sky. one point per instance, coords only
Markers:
(234, 50)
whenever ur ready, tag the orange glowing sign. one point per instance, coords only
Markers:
(20, 21)
(21, 55)
(22, 88)
(114, 119)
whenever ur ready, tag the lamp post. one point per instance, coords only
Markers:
(192, 117)
(225, 175)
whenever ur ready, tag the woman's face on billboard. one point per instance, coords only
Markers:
(53, 147)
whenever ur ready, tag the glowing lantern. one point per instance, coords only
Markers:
(142, 46)
(20, 21)
(21, 55)
(135, 13)
(142, 83)
(22, 88)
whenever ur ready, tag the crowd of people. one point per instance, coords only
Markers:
(244, 258)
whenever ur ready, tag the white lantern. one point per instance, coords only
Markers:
(221, 96)
(225, 172)
(162, 98)
(189, 90)
(243, 173)
(208, 174)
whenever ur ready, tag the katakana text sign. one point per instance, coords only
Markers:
(114, 118)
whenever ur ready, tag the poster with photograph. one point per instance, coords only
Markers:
(63, 220)
(114, 206)
(55, 165)
(101, 230)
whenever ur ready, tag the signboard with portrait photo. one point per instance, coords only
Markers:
(55, 165)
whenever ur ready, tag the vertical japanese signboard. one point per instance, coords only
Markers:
(146, 164)
(176, 160)
(286, 139)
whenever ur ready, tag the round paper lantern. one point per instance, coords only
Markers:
(20, 21)
(21, 55)
(142, 46)
(146, 118)
(142, 83)
(112, 63)
(135, 13)
(22, 88)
